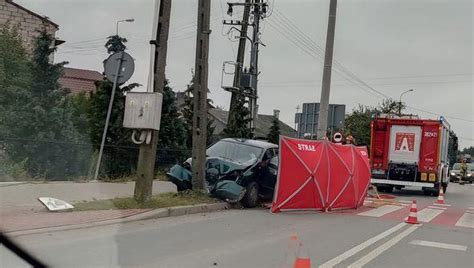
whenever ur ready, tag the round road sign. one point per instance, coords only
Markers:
(337, 137)
(120, 60)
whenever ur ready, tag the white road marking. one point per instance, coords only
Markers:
(467, 220)
(394, 200)
(380, 211)
(443, 205)
(351, 252)
(390, 243)
(435, 207)
(438, 245)
(470, 208)
(427, 214)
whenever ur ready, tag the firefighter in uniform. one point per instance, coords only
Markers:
(350, 140)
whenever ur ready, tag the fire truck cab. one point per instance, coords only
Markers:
(409, 152)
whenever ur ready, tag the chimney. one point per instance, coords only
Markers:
(276, 113)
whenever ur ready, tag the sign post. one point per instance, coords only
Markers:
(119, 67)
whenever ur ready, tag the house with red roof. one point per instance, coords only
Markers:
(80, 80)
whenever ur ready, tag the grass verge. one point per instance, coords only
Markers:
(158, 201)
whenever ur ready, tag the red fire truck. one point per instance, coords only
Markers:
(409, 152)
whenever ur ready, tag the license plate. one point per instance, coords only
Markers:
(378, 172)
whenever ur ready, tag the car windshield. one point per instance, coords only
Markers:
(238, 152)
(457, 166)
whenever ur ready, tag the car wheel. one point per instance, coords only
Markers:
(250, 199)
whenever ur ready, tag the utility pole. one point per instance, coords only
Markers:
(249, 87)
(254, 63)
(200, 94)
(326, 85)
(147, 155)
(240, 60)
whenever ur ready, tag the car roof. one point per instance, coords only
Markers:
(255, 143)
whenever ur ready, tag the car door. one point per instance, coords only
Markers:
(268, 170)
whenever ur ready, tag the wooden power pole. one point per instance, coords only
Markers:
(326, 85)
(200, 94)
(147, 155)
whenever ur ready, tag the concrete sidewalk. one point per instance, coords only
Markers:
(20, 209)
(26, 194)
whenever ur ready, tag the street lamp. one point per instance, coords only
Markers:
(117, 25)
(400, 102)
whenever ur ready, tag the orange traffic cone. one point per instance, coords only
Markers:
(412, 217)
(440, 196)
(294, 250)
(302, 263)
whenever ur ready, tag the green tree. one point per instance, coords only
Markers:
(115, 44)
(80, 106)
(357, 124)
(118, 160)
(453, 150)
(238, 124)
(274, 134)
(468, 150)
(14, 83)
(390, 106)
(187, 111)
(43, 127)
(15, 76)
(173, 129)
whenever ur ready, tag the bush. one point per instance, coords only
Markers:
(10, 171)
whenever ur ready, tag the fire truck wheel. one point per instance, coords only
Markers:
(385, 188)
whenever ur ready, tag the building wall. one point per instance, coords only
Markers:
(27, 23)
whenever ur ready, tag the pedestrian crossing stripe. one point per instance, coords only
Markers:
(466, 220)
(380, 211)
(443, 205)
(435, 207)
(447, 216)
(428, 214)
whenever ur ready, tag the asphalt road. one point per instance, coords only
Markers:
(257, 238)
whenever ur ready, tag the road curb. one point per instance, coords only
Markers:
(9, 184)
(153, 214)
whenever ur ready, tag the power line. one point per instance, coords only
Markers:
(343, 69)
(302, 38)
(466, 139)
(313, 83)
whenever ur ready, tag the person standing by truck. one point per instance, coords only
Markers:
(350, 140)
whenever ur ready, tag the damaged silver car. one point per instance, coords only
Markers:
(236, 170)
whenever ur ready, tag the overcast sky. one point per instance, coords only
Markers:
(391, 45)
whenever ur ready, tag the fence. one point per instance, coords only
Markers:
(56, 160)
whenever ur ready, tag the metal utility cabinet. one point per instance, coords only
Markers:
(143, 110)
